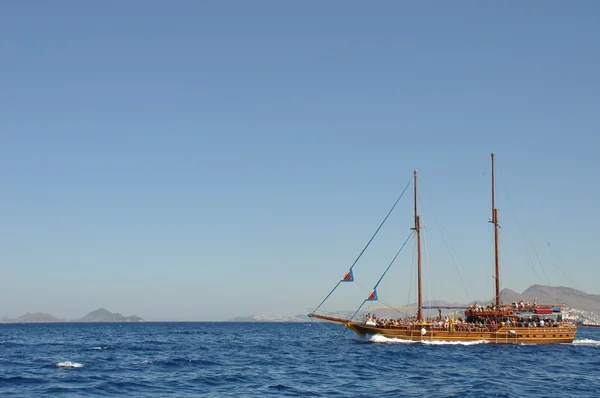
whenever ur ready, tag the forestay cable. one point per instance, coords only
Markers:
(385, 272)
(367, 245)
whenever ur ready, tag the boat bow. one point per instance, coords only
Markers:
(329, 318)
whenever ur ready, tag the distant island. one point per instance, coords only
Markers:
(35, 317)
(102, 315)
(99, 315)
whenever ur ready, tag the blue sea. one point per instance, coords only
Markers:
(280, 360)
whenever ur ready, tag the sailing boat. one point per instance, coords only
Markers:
(510, 323)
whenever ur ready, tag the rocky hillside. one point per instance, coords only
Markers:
(102, 315)
(35, 317)
(570, 297)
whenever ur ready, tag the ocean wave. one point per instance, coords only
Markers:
(21, 380)
(285, 360)
(69, 364)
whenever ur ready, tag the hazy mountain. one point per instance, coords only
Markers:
(587, 305)
(102, 315)
(270, 318)
(568, 296)
(36, 317)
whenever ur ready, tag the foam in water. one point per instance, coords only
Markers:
(586, 342)
(382, 339)
(69, 364)
(434, 342)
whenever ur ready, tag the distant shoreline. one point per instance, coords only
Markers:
(99, 315)
(150, 321)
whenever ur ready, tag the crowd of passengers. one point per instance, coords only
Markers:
(460, 325)
(522, 306)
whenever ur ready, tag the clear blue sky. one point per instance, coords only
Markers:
(202, 160)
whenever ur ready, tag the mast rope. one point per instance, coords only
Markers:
(385, 272)
(537, 256)
(490, 257)
(394, 259)
(367, 245)
(394, 308)
(530, 261)
(561, 270)
(413, 265)
(455, 260)
(525, 235)
(330, 330)
(427, 262)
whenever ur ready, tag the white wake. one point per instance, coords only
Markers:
(434, 342)
(382, 339)
(588, 342)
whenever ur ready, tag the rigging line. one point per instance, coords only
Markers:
(380, 225)
(353, 315)
(412, 266)
(394, 259)
(538, 258)
(523, 232)
(530, 261)
(368, 243)
(457, 257)
(386, 270)
(326, 297)
(526, 233)
(322, 323)
(490, 257)
(393, 308)
(454, 261)
(424, 246)
(364, 288)
(537, 255)
(561, 270)
(486, 168)
(427, 262)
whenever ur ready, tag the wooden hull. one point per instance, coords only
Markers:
(504, 335)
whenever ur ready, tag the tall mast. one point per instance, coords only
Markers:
(495, 222)
(417, 228)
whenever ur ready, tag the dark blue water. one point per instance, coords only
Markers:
(254, 359)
